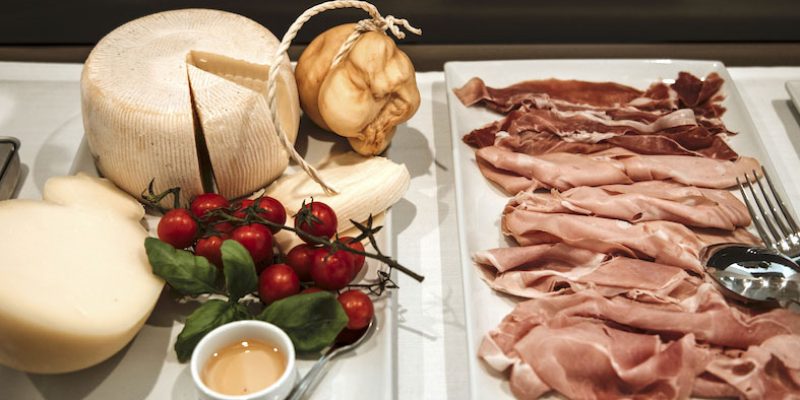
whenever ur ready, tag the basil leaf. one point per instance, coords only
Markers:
(240, 272)
(210, 315)
(185, 272)
(311, 320)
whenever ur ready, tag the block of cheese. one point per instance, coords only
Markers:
(75, 282)
(367, 185)
(180, 97)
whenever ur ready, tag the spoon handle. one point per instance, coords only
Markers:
(311, 379)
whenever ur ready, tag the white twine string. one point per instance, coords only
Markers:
(375, 23)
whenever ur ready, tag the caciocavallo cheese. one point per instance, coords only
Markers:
(76, 283)
(180, 96)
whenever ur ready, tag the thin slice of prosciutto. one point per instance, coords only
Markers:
(586, 345)
(564, 93)
(564, 171)
(643, 201)
(688, 91)
(536, 132)
(664, 242)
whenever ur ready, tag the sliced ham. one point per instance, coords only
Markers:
(638, 279)
(643, 201)
(585, 345)
(660, 241)
(507, 258)
(564, 171)
(770, 370)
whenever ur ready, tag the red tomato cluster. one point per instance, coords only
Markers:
(309, 264)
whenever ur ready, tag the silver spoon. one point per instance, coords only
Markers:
(315, 374)
(753, 274)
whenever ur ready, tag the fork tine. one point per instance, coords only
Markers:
(756, 219)
(765, 216)
(775, 215)
(780, 202)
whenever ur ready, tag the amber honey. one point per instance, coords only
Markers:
(244, 367)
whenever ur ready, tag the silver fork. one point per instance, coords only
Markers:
(776, 226)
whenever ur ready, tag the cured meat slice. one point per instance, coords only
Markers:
(661, 241)
(585, 345)
(643, 201)
(702, 96)
(564, 171)
(770, 370)
(506, 258)
(524, 135)
(566, 92)
(543, 277)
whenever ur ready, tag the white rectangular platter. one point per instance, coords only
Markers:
(479, 204)
(45, 115)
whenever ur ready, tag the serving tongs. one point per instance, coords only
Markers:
(9, 166)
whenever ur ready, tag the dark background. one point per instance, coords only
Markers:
(744, 31)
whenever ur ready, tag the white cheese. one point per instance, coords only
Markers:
(367, 185)
(140, 118)
(92, 193)
(75, 283)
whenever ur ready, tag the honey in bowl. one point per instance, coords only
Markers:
(244, 367)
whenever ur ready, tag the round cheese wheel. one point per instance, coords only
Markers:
(180, 96)
(75, 283)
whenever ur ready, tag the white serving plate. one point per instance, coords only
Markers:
(479, 204)
(148, 367)
(793, 87)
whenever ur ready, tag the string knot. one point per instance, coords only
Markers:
(389, 23)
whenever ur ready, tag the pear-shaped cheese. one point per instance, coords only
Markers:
(76, 283)
(143, 122)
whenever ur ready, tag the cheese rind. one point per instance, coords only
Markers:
(138, 111)
(76, 283)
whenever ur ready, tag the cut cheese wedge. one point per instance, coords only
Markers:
(143, 122)
(368, 185)
(77, 285)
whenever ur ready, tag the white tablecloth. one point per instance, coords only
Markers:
(39, 103)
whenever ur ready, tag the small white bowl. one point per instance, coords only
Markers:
(230, 333)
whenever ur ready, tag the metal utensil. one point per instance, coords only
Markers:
(776, 226)
(9, 166)
(312, 378)
(753, 274)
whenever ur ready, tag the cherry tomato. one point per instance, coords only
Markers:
(270, 209)
(178, 228)
(299, 258)
(257, 239)
(276, 282)
(207, 202)
(318, 219)
(357, 259)
(209, 247)
(224, 228)
(358, 308)
(311, 289)
(331, 271)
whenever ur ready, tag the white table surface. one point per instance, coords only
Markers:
(40, 104)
